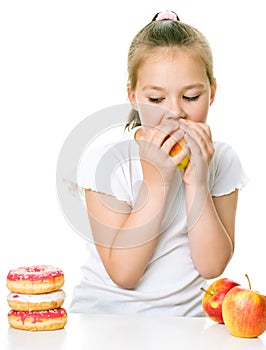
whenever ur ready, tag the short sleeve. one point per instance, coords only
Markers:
(87, 167)
(226, 171)
(109, 170)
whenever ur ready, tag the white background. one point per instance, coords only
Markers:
(63, 60)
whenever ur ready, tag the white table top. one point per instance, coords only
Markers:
(106, 332)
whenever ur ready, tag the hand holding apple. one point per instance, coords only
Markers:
(177, 148)
(244, 312)
(214, 296)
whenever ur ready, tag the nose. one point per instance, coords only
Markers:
(176, 110)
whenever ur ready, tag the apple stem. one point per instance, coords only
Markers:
(249, 284)
(206, 291)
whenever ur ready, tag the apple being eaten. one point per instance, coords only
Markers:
(244, 312)
(213, 298)
(177, 148)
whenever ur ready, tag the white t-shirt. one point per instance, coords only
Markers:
(171, 284)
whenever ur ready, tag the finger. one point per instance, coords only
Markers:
(198, 148)
(201, 128)
(205, 139)
(172, 140)
(163, 131)
(168, 125)
(202, 135)
(177, 159)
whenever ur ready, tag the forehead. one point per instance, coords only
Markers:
(171, 62)
(168, 54)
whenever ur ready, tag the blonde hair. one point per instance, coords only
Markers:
(168, 34)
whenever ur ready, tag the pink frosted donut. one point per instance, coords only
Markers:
(38, 320)
(35, 279)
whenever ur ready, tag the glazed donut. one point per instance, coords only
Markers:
(35, 279)
(36, 302)
(38, 320)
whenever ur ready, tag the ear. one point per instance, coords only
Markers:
(213, 92)
(131, 96)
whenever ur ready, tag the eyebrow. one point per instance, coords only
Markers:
(187, 87)
(152, 87)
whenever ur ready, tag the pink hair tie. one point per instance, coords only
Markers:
(167, 15)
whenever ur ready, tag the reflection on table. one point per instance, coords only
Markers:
(101, 332)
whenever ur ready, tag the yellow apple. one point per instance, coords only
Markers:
(178, 148)
(244, 312)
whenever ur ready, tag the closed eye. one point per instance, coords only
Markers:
(193, 98)
(156, 100)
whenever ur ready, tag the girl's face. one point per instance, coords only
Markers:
(171, 82)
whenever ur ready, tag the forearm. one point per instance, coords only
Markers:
(137, 237)
(210, 244)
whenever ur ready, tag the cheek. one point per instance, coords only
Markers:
(199, 113)
(150, 115)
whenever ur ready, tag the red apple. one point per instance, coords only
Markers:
(244, 312)
(177, 148)
(214, 296)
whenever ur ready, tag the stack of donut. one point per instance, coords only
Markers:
(36, 298)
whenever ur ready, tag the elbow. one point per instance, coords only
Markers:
(126, 285)
(210, 269)
(125, 282)
(123, 275)
(212, 272)
(208, 275)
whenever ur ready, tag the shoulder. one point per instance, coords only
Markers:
(223, 148)
(92, 155)
(106, 168)
(224, 154)
(225, 171)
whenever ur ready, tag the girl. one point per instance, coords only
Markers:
(160, 232)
